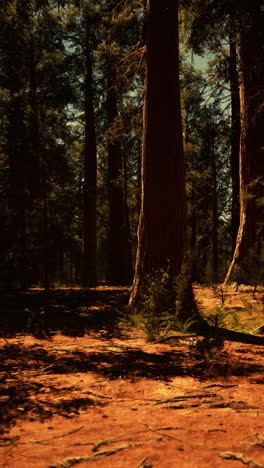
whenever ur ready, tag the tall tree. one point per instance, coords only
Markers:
(117, 23)
(235, 130)
(251, 228)
(162, 226)
(119, 268)
(89, 245)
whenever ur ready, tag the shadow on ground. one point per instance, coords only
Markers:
(73, 312)
(19, 363)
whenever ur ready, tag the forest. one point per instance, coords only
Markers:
(72, 94)
(132, 228)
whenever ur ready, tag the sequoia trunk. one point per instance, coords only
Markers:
(162, 225)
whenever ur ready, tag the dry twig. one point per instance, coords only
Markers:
(240, 457)
(127, 435)
(100, 395)
(186, 397)
(69, 462)
(43, 441)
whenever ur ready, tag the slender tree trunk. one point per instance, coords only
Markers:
(215, 259)
(251, 142)
(235, 134)
(17, 192)
(34, 133)
(89, 242)
(127, 223)
(119, 264)
(162, 225)
(45, 244)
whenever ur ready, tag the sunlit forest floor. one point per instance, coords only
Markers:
(82, 389)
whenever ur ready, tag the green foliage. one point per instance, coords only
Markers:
(167, 304)
(218, 318)
(244, 319)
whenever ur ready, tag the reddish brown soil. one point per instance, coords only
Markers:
(115, 400)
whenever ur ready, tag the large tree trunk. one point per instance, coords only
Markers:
(162, 225)
(119, 264)
(251, 229)
(89, 241)
(235, 134)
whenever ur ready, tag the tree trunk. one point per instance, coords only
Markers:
(215, 259)
(162, 225)
(119, 263)
(235, 135)
(89, 234)
(17, 190)
(251, 143)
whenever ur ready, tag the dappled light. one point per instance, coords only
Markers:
(101, 388)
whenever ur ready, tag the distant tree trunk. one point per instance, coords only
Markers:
(215, 259)
(162, 225)
(17, 191)
(119, 263)
(127, 223)
(46, 244)
(89, 234)
(235, 134)
(251, 143)
(34, 133)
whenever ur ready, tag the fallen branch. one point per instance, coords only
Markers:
(185, 397)
(220, 385)
(231, 335)
(259, 436)
(240, 457)
(43, 441)
(260, 440)
(128, 434)
(100, 395)
(195, 405)
(143, 464)
(69, 462)
(157, 430)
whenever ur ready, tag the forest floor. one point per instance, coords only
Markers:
(93, 393)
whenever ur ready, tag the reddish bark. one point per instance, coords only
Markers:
(162, 226)
(251, 229)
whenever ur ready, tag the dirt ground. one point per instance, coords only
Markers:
(88, 392)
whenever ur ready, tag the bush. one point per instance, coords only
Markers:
(167, 304)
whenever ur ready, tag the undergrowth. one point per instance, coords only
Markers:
(167, 305)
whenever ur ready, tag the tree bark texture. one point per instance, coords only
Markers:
(89, 234)
(251, 230)
(162, 225)
(235, 134)
(119, 261)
